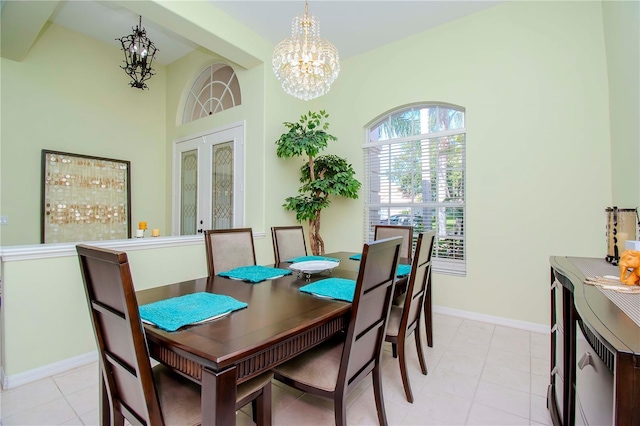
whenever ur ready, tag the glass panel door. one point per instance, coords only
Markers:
(208, 177)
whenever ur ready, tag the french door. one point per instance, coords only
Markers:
(208, 181)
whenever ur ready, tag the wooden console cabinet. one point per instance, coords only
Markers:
(595, 348)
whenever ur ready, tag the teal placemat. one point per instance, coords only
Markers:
(254, 273)
(171, 314)
(335, 288)
(308, 258)
(356, 256)
(403, 270)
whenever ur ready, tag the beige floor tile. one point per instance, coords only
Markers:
(77, 379)
(510, 359)
(449, 381)
(540, 366)
(539, 385)
(503, 398)
(304, 412)
(28, 396)
(51, 413)
(506, 376)
(477, 327)
(461, 363)
(439, 408)
(85, 400)
(516, 341)
(484, 415)
(91, 418)
(539, 411)
(363, 411)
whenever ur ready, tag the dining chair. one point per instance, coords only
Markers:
(134, 390)
(228, 249)
(334, 368)
(404, 231)
(288, 242)
(405, 320)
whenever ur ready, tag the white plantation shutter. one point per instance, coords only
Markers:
(415, 175)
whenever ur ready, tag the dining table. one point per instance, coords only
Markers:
(278, 323)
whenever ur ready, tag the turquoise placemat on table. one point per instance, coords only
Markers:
(254, 273)
(171, 314)
(403, 270)
(356, 256)
(308, 258)
(335, 288)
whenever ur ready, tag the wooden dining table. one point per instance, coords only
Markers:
(279, 323)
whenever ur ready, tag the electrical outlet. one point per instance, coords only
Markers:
(4, 220)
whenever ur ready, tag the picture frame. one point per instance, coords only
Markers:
(84, 198)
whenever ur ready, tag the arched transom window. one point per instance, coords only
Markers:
(215, 90)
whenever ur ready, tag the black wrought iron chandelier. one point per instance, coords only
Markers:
(139, 52)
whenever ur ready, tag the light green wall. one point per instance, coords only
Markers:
(532, 77)
(70, 95)
(45, 311)
(622, 40)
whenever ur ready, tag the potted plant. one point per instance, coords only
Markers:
(321, 176)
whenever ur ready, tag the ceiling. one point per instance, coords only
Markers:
(353, 27)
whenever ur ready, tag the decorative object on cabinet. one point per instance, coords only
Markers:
(622, 225)
(84, 198)
(139, 53)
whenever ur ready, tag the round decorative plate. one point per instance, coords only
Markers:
(313, 266)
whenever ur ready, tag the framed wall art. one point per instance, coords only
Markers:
(84, 198)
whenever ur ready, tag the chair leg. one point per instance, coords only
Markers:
(261, 407)
(423, 363)
(340, 409)
(403, 371)
(428, 314)
(377, 392)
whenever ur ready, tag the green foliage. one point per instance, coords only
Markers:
(306, 137)
(320, 176)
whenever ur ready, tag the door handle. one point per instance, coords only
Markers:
(199, 231)
(585, 360)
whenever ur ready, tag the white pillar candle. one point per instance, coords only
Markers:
(139, 233)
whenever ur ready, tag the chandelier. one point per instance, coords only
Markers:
(306, 64)
(139, 52)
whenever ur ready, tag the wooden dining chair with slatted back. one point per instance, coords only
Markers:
(228, 249)
(404, 231)
(405, 320)
(334, 368)
(132, 388)
(288, 243)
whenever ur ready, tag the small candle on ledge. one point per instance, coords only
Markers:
(139, 233)
(155, 232)
(142, 225)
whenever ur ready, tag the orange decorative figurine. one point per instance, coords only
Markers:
(630, 267)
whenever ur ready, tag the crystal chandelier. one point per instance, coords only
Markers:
(306, 64)
(139, 53)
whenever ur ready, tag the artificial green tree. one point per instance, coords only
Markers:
(321, 176)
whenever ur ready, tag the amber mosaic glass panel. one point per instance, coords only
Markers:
(84, 198)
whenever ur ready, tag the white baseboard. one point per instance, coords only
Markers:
(522, 325)
(45, 371)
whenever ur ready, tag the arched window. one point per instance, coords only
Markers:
(415, 175)
(215, 90)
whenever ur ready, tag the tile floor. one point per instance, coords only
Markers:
(479, 374)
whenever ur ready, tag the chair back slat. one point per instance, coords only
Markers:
(228, 249)
(288, 242)
(124, 357)
(404, 231)
(369, 311)
(418, 279)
